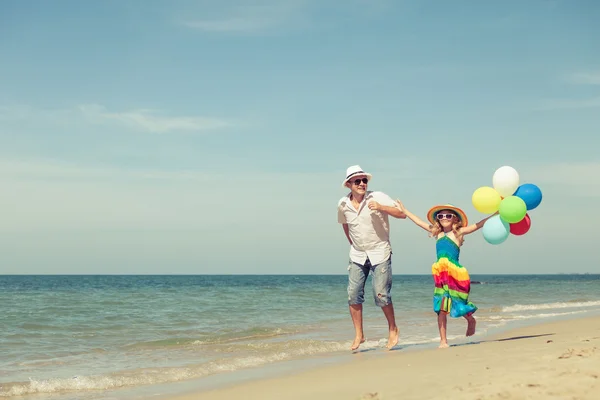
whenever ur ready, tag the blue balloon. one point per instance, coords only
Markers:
(495, 230)
(531, 195)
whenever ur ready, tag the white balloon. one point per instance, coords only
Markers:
(506, 181)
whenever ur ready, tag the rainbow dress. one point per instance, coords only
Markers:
(452, 281)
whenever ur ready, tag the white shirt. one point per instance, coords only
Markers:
(369, 230)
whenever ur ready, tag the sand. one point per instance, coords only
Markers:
(559, 360)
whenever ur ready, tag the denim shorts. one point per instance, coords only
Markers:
(382, 282)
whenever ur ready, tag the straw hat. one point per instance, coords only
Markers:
(353, 171)
(432, 214)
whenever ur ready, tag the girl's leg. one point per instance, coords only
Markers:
(471, 324)
(442, 323)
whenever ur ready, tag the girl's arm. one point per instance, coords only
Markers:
(475, 227)
(418, 221)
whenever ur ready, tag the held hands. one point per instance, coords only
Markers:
(400, 206)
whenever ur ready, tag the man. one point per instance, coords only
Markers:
(364, 218)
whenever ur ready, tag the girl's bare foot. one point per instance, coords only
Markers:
(357, 342)
(443, 345)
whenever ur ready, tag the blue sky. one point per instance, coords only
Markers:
(212, 136)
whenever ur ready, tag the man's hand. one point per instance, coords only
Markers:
(373, 205)
(394, 211)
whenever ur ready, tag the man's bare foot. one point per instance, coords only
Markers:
(471, 324)
(393, 339)
(443, 345)
(357, 342)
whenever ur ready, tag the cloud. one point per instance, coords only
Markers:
(136, 119)
(581, 179)
(578, 78)
(79, 218)
(569, 104)
(28, 113)
(585, 78)
(54, 170)
(46, 195)
(240, 17)
(149, 121)
(232, 25)
(261, 16)
(587, 173)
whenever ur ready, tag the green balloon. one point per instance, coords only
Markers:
(512, 209)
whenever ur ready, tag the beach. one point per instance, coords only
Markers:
(557, 360)
(140, 337)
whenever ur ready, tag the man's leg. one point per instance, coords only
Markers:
(382, 292)
(357, 276)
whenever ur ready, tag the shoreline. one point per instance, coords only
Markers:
(162, 354)
(567, 350)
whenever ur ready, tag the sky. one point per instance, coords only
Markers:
(212, 137)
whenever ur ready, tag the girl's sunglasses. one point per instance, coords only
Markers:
(444, 216)
(363, 180)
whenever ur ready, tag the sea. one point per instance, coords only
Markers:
(135, 337)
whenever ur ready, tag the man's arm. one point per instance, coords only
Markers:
(388, 206)
(342, 219)
(347, 232)
(393, 211)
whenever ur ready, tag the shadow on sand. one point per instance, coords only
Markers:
(402, 347)
(504, 340)
(395, 348)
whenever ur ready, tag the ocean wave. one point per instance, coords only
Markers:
(550, 306)
(531, 316)
(263, 353)
(149, 376)
(218, 338)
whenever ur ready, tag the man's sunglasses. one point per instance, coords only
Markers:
(444, 216)
(358, 181)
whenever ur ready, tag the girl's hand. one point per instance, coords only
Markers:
(400, 205)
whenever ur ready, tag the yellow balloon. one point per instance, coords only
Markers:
(486, 200)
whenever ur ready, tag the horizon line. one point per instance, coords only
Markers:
(171, 274)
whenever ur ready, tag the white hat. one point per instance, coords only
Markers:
(355, 170)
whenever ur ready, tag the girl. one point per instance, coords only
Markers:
(448, 226)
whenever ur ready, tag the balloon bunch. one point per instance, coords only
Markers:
(510, 200)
